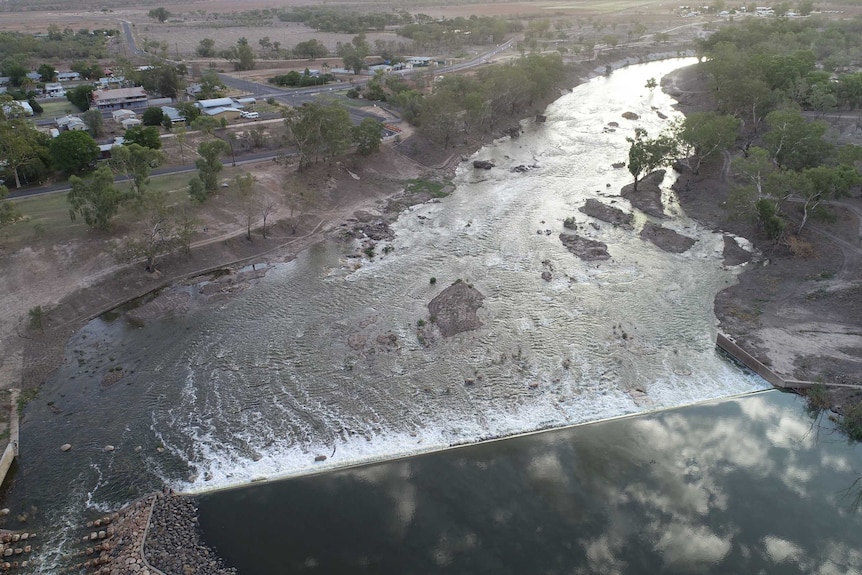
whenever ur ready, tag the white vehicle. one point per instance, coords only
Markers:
(250, 115)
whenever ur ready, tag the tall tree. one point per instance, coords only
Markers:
(95, 123)
(95, 198)
(22, 147)
(209, 166)
(649, 154)
(8, 212)
(794, 142)
(136, 162)
(245, 191)
(145, 136)
(367, 136)
(160, 14)
(73, 151)
(319, 131)
(706, 134)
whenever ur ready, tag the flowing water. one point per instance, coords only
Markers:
(259, 384)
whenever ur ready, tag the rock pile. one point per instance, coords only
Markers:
(111, 545)
(173, 542)
(15, 548)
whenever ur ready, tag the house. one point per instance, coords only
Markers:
(130, 123)
(223, 112)
(130, 98)
(109, 81)
(105, 149)
(248, 101)
(54, 90)
(764, 11)
(72, 123)
(35, 76)
(17, 109)
(120, 115)
(173, 115)
(215, 103)
(28, 109)
(68, 76)
(193, 90)
(419, 61)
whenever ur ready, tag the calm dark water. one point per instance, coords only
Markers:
(747, 485)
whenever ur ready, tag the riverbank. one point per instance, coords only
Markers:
(796, 307)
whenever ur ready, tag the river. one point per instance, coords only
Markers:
(264, 382)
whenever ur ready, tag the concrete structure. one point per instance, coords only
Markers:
(11, 450)
(128, 98)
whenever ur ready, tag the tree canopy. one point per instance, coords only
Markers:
(73, 151)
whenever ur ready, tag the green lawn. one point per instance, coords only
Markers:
(58, 108)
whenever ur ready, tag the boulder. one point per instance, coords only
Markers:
(630, 116)
(586, 249)
(454, 309)
(483, 164)
(596, 209)
(541, 118)
(66, 447)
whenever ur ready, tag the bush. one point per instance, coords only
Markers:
(153, 117)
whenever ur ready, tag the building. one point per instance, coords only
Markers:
(226, 108)
(68, 76)
(120, 115)
(130, 123)
(71, 123)
(128, 98)
(419, 61)
(173, 115)
(54, 90)
(17, 109)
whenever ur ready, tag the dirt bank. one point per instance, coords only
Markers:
(797, 306)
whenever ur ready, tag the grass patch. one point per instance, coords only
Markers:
(58, 108)
(432, 187)
(851, 423)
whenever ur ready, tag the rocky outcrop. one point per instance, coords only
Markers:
(586, 249)
(483, 164)
(647, 198)
(454, 309)
(665, 239)
(596, 209)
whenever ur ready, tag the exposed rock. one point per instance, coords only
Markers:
(618, 165)
(733, 254)
(647, 198)
(112, 377)
(513, 132)
(660, 115)
(319, 458)
(547, 276)
(483, 164)
(630, 116)
(356, 341)
(614, 124)
(108, 448)
(586, 249)
(541, 118)
(66, 447)
(454, 309)
(522, 168)
(665, 239)
(596, 209)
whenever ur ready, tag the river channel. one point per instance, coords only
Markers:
(320, 357)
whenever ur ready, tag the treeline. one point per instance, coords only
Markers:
(493, 97)
(337, 20)
(763, 65)
(57, 43)
(477, 30)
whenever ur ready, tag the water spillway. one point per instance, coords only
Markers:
(321, 357)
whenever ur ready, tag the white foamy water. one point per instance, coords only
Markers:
(278, 384)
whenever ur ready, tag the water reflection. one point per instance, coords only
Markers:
(740, 486)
